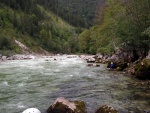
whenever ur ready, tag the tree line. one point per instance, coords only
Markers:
(119, 23)
(123, 24)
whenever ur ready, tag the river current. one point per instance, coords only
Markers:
(40, 81)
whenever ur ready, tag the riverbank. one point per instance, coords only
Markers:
(16, 57)
(32, 56)
(123, 61)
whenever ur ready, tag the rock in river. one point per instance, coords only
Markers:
(106, 109)
(61, 105)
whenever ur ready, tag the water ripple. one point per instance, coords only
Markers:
(38, 82)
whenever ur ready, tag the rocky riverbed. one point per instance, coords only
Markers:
(122, 61)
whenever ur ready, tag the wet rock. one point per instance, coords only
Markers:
(89, 64)
(47, 60)
(93, 64)
(61, 105)
(106, 109)
(121, 65)
(97, 65)
(95, 58)
(91, 60)
(98, 58)
(101, 58)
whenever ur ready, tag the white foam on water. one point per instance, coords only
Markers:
(17, 105)
(57, 70)
(47, 74)
(25, 78)
(5, 83)
(33, 66)
(20, 105)
(71, 75)
(21, 84)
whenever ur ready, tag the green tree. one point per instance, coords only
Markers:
(135, 21)
(6, 43)
(84, 40)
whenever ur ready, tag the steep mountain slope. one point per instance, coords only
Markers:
(80, 13)
(125, 25)
(34, 26)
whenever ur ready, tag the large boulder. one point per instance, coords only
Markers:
(142, 69)
(61, 105)
(106, 109)
(122, 55)
(121, 59)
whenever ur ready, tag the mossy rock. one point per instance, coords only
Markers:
(106, 109)
(118, 69)
(142, 69)
(108, 64)
(121, 66)
(80, 106)
(61, 105)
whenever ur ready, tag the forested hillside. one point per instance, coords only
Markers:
(126, 25)
(37, 24)
(79, 13)
(29, 22)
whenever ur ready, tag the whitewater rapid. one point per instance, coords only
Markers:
(38, 82)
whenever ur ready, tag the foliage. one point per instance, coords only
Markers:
(79, 13)
(120, 23)
(35, 26)
(125, 24)
(7, 46)
(6, 43)
(101, 38)
(134, 27)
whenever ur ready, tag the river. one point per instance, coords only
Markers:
(38, 82)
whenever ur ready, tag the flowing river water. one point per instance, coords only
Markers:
(38, 83)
